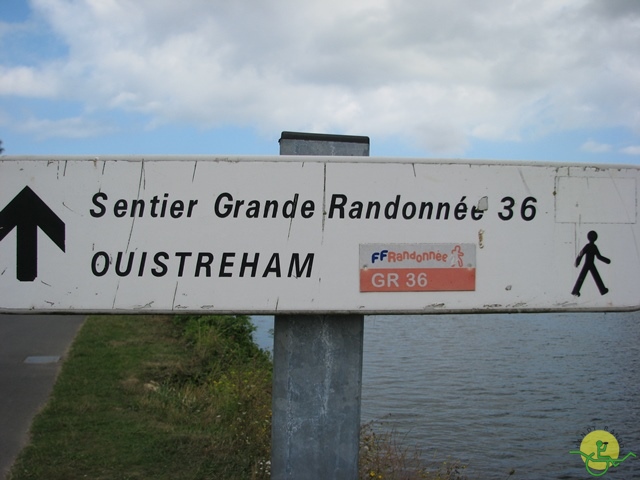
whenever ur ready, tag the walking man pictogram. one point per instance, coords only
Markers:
(590, 252)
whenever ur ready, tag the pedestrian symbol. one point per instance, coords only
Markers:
(590, 252)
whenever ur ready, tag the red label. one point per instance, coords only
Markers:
(417, 279)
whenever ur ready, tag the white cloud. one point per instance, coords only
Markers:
(438, 73)
(632, 150)
(75, 127)
(27, 81)
(595, 147)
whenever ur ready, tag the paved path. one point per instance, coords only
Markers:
(29, 348)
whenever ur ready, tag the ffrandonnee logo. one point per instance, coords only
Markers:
(600, 450)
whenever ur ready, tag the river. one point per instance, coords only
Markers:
(504, 392)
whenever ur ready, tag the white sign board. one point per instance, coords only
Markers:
(315, 234)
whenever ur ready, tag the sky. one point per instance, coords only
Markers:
(531, 80)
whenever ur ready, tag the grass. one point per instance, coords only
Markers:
(185, 397)
(155, 397)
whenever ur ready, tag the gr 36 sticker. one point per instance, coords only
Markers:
(428, 267)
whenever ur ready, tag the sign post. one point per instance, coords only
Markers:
(317, 369)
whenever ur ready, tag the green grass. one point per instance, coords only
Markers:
(155, 397)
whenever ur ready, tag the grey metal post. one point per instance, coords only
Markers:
(317, 363)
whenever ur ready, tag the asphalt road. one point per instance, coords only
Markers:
(32, 349)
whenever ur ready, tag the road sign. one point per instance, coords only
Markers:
(316, 234)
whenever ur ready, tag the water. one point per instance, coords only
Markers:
(503, 392)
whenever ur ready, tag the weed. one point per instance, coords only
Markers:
(384, 457)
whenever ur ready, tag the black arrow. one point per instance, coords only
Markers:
(26, 212)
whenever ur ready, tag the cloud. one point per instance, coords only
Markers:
(631, 150)
(27, 81)
(437, 73)
(76, 127)
(595, 147)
